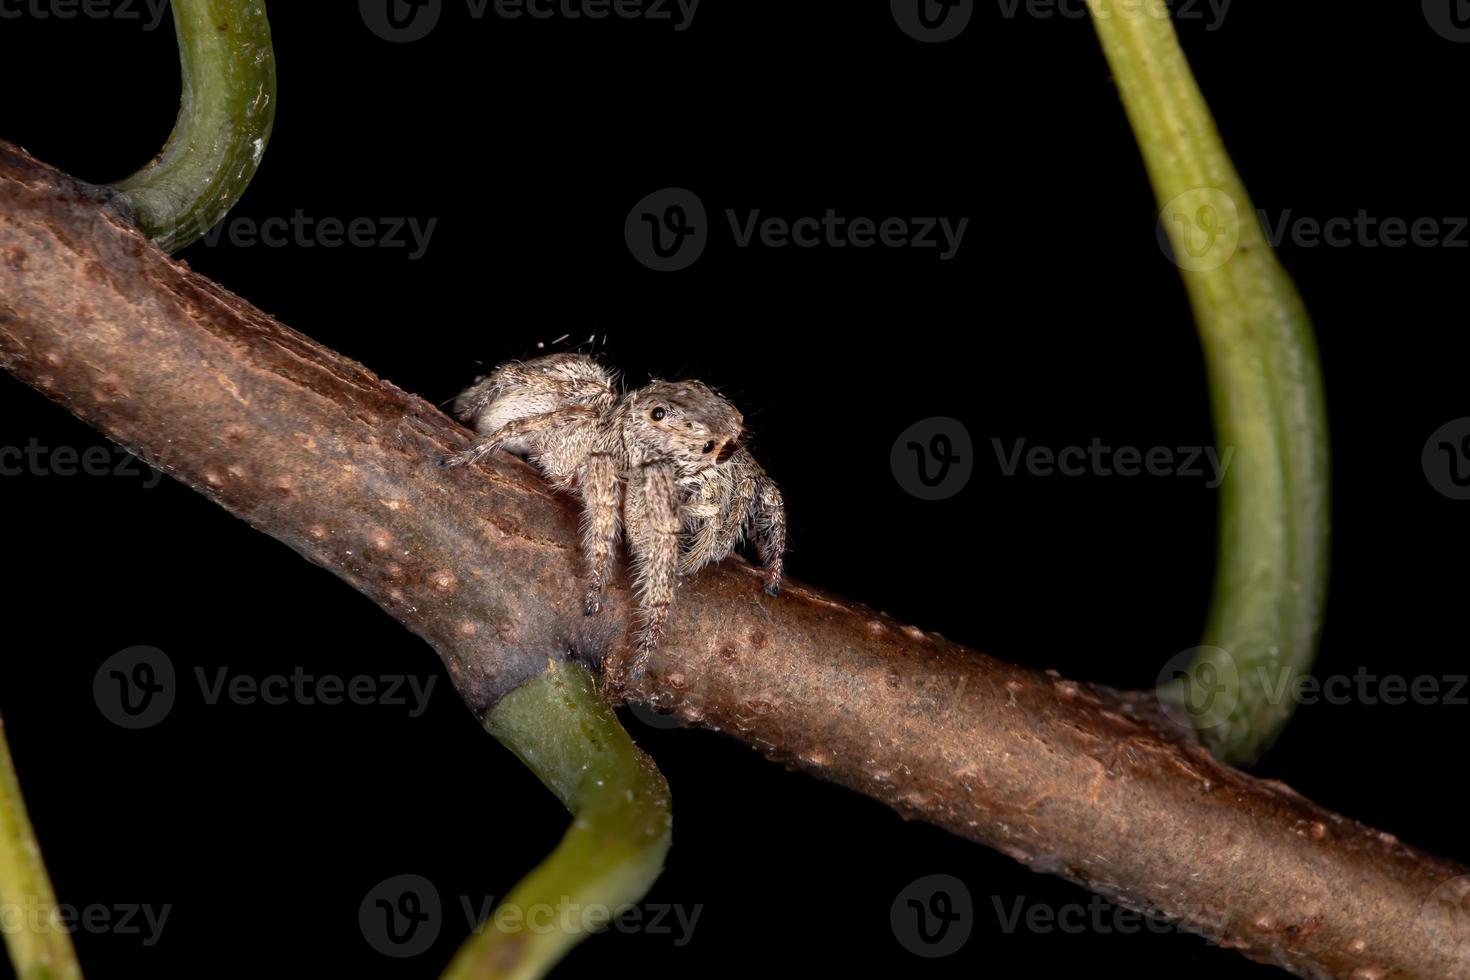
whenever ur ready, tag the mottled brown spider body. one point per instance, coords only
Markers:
(664, 461)
(548, 409)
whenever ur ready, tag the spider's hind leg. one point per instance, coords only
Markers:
(521, 434)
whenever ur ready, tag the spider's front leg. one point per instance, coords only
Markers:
(768, 524)
(655, 546)
(601, 507)
(709, 533)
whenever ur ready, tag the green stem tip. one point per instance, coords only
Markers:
(1266, 395)
(560, 727)
(225, 119)
(39, 944)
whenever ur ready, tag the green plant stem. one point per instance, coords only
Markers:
(1265, 389)
(40, 947)
(225, 118)
(621, 826)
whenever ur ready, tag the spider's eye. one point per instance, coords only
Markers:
(709, 447)
(658, 414)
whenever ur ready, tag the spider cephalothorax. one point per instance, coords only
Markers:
(685, 423)
(664, 461)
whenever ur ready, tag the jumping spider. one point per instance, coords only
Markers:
(665, 461)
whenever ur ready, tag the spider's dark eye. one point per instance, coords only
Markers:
(657, 414)
(709, 447)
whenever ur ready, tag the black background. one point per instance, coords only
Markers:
(1060, 320)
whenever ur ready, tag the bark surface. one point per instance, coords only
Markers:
(482, 562)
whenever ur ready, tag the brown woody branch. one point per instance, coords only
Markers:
(315, 450)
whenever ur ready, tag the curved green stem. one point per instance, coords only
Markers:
(40, 947)
(1266, 392)
(228, 106)
(621, 826)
